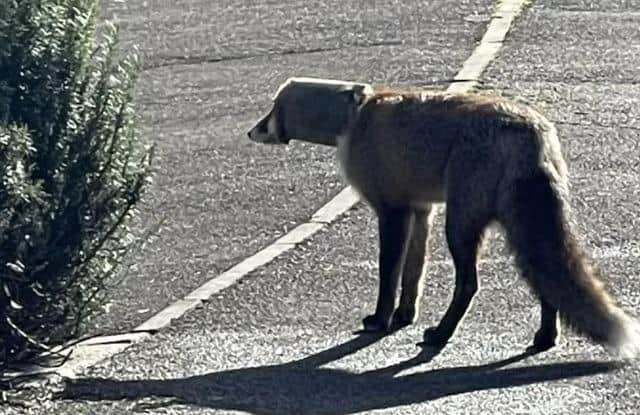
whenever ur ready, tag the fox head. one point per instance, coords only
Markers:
(310, 109)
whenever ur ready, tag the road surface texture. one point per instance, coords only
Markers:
(281, 341)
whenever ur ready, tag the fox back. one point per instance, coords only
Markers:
(405, 146)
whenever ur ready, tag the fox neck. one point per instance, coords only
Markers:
(324, 133)
(326, 140)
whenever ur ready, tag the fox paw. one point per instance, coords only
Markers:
(374, 323)
(434, 338)
(543, 341)
(403, 317)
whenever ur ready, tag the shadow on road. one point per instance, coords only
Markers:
(302, 386)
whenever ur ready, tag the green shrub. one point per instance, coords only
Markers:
(72, 167)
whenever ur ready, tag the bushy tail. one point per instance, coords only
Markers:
(534, 215)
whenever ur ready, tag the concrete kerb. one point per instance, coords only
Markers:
(88, 353)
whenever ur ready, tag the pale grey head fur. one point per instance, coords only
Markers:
(311, 109)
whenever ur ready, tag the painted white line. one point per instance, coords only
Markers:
(300, 233)
(501, 20)
(233, 274)
(90, 352)
(83, 355)
(341, 203)
(96, 350)
(164, 317)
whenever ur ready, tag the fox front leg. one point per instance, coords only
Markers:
(394, 227)
(414, 269)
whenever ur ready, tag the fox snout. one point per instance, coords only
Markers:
(259, 132)
(265, 131)
(252, 134)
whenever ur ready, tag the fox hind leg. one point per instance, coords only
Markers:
(395, 225)
(548, 332)
(414, 269)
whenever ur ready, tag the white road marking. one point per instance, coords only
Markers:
(93, 351)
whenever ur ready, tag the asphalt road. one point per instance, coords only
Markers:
(281, 341)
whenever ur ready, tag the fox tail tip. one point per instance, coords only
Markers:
(626, 343)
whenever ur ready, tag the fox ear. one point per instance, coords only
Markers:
(355, 94)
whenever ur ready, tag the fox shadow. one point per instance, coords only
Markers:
(302, 386)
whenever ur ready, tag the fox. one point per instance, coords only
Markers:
(490, 160)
